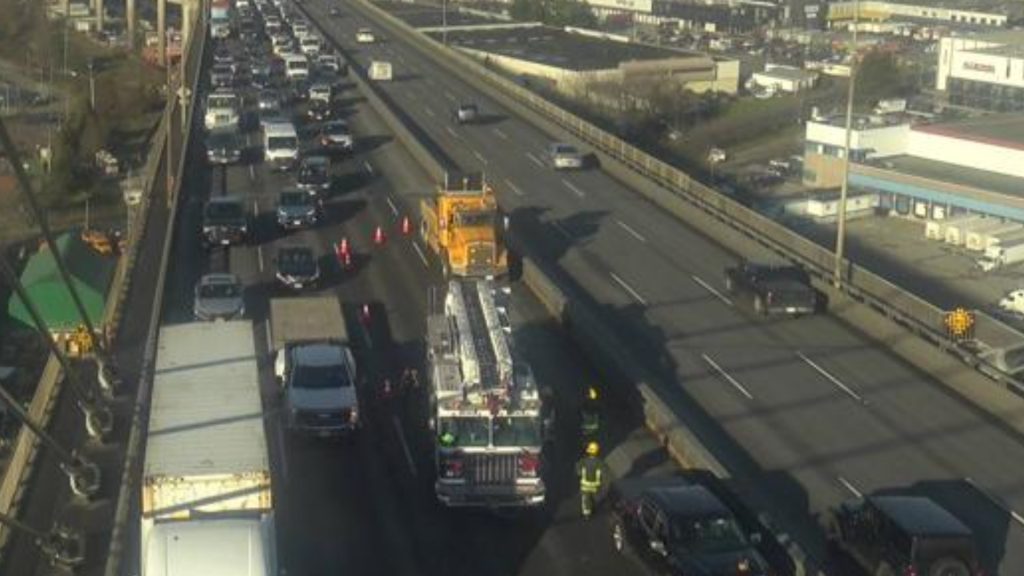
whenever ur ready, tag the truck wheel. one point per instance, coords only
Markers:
(759, 305)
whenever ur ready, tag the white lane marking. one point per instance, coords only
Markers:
(712, 289)
(850, 487)
(628, 288)
(573, 187)
(259, 257)
(429, 112)
(629, 229)
(449, 96)
(419, 252)
(394, 209)
(1017, 517)
(405, 445)
(452, 132)
(252, 173)
(561, 229)
(534, 159)
(500, 134)
(728, 377)
(368, 166)
(839, 383)
(480, 157)
(513, 187)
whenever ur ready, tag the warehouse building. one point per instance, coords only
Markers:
(982, 13)
(983, 70)
(925, 170)
(573, 61)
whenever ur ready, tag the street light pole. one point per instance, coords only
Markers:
(92, 85)
(837, 274)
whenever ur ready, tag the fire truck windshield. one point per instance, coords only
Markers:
(470, 432)
(517, 431)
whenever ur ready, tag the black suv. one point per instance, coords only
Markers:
(679, 528)
(225, 221)
(897, 535)
(775, 289)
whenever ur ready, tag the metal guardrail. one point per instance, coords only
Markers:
(131, 472)
(921, 317)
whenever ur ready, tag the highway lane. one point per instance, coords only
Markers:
(818, 405)
(369, 505)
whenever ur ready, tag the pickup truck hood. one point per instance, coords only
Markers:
(322, 398)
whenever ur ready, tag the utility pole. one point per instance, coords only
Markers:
(837, 274)
(92, 85)
(130, 15)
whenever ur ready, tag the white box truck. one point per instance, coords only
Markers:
(1003, 254)
(977, 237)
(207, 505)
(314, 365)
(380, 70)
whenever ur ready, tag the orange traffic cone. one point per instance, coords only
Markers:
(406, 226)
(378, 236)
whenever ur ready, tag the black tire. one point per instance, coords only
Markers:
(884, 570)
(949, 567)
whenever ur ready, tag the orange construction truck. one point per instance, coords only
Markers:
(464, 227)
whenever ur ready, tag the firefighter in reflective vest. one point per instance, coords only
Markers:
(590, 416)
(591, 471)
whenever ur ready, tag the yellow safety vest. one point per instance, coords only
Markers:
(588, 483)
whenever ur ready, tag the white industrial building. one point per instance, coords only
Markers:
(951, 12)
(984, 70)
(928, 170)
(781, 78)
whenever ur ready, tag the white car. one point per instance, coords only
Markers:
(310, 45)
(322, 92)
(222, 110)
(365, 36)
(565, 157)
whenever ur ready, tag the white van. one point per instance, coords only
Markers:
(221, 110)
(280, 145)
(310, 45)
(296, 67)
(365, 36)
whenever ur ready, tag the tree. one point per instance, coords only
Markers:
(879, 77)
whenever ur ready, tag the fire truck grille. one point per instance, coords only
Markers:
(492, 468)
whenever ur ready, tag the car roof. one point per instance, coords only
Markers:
(220, 278)
(293, 192)
(295, 248)
(315, 160)
(691, 501)
(918, 515)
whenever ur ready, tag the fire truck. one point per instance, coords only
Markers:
(487, 412)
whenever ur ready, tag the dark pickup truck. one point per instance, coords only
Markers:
(775, 289)
(225, 222)
(890, 535)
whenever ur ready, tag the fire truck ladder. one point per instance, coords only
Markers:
(480, 335)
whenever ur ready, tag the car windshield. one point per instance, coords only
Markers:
(224, 210)
(295, 199)
(219, 290)
(298, 65)
(709, 534)
(282, 143)
(222, 140)
(464, 432)
(336, 129)
(313, 171)
(321, 377)
(565, 150)
(221, 101)
(517, 431)
(476, 218)
(297, 260)
(221, 69)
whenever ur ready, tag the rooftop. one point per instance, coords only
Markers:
(1005, 130)
(952, 174)
(788, 73)
(426, 16)
(562, 49)
(1012, 50)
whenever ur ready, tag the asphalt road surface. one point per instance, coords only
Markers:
(805, 412)
(366, 506)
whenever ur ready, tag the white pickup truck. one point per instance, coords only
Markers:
(314, 366)
(380, 71)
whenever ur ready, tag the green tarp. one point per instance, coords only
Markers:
(91, 274)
